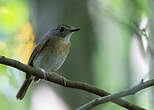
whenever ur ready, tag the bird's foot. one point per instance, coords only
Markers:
(45, 74)
(64, 80)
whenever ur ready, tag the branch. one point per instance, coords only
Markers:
(112, 97)
(58, 79)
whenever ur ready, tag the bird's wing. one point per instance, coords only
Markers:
(37, 50)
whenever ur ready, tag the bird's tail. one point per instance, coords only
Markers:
(21, 93)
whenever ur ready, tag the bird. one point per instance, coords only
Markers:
(49, 54)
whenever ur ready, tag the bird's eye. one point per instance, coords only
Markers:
(61, 29)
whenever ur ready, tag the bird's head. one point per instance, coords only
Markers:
(63, 32)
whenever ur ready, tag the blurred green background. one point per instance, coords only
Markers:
(107, 52)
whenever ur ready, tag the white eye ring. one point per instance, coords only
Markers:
(61, 29)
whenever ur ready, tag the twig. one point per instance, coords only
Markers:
(58, 79)
(112, 97)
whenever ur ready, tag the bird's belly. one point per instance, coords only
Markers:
(49, 62)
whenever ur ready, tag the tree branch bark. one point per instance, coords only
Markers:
(58, 79)
(112, 97)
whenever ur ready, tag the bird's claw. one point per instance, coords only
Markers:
(64, 81)
(45, 74)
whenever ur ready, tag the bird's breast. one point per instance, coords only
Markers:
(52, 56)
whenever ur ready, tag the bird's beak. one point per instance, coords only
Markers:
(74, 29)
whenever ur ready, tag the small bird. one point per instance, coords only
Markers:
(49, 54)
